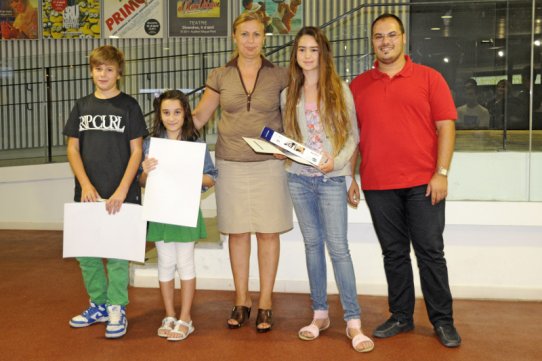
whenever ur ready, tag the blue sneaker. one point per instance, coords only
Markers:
(117, 324)
(95, 313)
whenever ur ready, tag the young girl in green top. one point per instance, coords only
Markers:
(175, 244)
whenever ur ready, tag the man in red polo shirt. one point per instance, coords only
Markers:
(407, 133)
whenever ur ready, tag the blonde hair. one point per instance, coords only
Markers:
(331, 104)
(107, 54)
(243, 18)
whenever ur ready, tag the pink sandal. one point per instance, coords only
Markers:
(312, 329)
(359, 338)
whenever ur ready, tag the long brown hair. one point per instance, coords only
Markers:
(188, 130)
(331, 104)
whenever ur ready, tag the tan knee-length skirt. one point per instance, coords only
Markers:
(253, 197)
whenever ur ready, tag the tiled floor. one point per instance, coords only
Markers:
(40, 292)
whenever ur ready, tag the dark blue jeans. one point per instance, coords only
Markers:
(399, 217)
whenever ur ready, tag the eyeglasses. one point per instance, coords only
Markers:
(391, 36)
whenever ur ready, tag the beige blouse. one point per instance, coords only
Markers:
(243, 114)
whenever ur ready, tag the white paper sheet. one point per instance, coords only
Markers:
(173, 189)
(263, 146)
(89, 231)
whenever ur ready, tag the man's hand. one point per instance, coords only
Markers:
(437, 188)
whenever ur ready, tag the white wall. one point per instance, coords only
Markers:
(32, 197)
(493, 249)
(503, 176)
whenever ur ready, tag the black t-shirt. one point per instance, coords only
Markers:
(105, 128)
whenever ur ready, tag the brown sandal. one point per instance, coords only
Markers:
(240, 314)
(264, 316)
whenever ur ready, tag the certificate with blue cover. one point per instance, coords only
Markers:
(290, 145)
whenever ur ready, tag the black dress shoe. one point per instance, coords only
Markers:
(392, 327)
(448, 335)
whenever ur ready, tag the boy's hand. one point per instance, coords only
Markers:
(89, 194)
(149, 164)
(113, 204)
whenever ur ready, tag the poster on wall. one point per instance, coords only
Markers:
(71, 19)
(18, 19)
(198, 18)
(280, 16)
(133, 19)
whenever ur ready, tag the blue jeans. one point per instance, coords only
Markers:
(399, 217)
(320, 206)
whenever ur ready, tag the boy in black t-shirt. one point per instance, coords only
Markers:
(105, 132)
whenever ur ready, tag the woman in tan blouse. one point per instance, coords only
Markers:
(251, 189)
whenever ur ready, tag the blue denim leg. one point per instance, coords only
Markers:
(320, 206)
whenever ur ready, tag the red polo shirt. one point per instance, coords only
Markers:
(396, 118)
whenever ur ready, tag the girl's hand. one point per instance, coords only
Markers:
(353, 193)
(149, 164)
(326, 164)
(207, 181)
(89, 194)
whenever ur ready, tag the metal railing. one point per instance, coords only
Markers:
(37, 94)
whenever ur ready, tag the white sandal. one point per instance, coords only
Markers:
(167, 325)
(312, 329)
(360, 337)
(177, 335)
